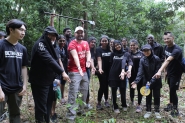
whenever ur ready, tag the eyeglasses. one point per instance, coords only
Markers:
(61, 41)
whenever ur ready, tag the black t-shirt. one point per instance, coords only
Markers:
(135, 59)
(118, 63)
(174, 68)
(62, 54)
(12, 58)
(105, 56)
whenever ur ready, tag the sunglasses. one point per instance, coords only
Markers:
(61, 41)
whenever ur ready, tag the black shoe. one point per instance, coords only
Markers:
(54, 118)
(168, 107)
(174, 113)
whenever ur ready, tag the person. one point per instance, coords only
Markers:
(64, 59)
(92, 46)
(111, 44)
(172, 64)
(156, 47)
(67, 34)
(2, 35)
(103, 55)
(13, 70)
(79, 59)
(44, 69)
(125, 43)
(118, 61)
(58, 47)
(136, 55)
(148, 66)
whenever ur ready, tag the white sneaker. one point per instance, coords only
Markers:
(116, 111)
(147, 115)
(157, 115)
(124, 108)
(88, 106)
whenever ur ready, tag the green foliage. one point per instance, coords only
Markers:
(115, 18)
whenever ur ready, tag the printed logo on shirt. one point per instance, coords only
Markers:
(137, 56)
(116, 57)
(106, 54)
(13, 54)
(167, 53)
(81, 54)
(41, 46)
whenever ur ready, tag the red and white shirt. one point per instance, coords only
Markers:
(81, 49)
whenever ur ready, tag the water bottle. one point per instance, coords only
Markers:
(147, 87)
(55, 84)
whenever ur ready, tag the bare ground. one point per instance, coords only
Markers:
(106, 115)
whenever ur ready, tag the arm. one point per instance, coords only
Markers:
(52, 20)
(130, 64)
(93, 69)
(61, 64)
(76, 60)
(165, 64)
(100, 65)
(158, 65)
(25, 79)
(48, 59)
(139, 75)
(2, 95)
(123, 73)
(88, 59)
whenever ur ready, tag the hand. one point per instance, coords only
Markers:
(82, 21)
(88, 64)
(122, 75)
(101, 71)
(66, 77)
(2, 96)
(23, 91)
(128, 73)
(53, 15)
(157, 75)
(134, 85)
(80, 71)
(93, 70)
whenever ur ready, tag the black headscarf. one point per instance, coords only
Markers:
(118, 52)
(47, 42)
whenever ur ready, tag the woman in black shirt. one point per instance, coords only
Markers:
(136, 55)
(103, 55)
(118, 61)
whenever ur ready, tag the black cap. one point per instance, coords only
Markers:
(146, 47)
(51, 29)
(2, 33)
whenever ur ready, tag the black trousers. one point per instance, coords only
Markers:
(114, 97)
(42, 96)
(103, 89)
(132, 92)
(156, 94)
(174, 86)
